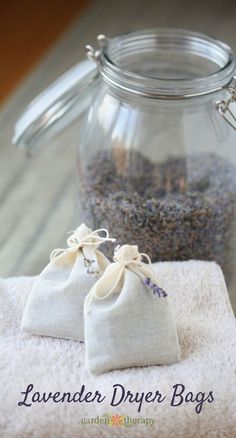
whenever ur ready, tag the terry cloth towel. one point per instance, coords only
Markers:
(207, 336)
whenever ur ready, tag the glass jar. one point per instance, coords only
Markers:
(156, 148)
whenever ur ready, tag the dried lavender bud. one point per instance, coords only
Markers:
(147, 281)
(180, 209)
(156, 289)
(89, 265)
(159, 291)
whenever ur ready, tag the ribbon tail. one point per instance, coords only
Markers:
(57, 252)
(106, 285)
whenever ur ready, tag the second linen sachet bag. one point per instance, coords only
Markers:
(128, 318)
(55, 303)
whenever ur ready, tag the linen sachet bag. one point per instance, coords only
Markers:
(128, 318)
(55, 303)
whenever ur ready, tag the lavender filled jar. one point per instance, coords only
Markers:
(156, 150)
(157, 164)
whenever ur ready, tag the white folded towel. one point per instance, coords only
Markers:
(207, 335)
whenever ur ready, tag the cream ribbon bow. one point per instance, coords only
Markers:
(82, 236)
(125, 257)
(128, 256)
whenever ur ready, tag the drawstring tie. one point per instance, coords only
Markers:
(143, 270)
(125, 257)
(75, 242)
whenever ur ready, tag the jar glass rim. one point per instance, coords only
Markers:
(117, 52)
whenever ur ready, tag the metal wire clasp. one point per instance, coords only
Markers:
(223, 106)
(94, 54)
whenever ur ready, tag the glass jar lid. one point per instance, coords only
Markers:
(57, 106)
(163, 64)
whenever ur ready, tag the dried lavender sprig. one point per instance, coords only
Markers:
(89, 265)
(156, 289)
